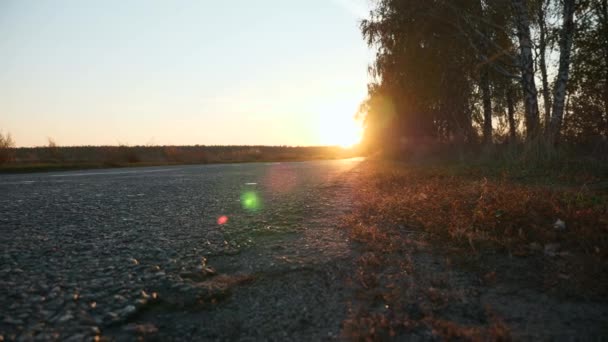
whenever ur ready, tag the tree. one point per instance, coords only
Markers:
(448, 69)
(527, 67)
(588, 84)
(565, 46)
(425, 66)
(484, 79)
(510, 97)
(543, 6)
(53, 151)
(6, 148)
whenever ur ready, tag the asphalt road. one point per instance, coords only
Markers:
(214, 252)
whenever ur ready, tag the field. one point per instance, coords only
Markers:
(55, 158)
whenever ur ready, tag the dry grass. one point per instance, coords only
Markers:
(480, 213)
(458, 212)
(53, 157)
(449, 331)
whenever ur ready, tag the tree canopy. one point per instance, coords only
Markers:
(477, 71)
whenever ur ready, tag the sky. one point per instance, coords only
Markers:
(209, 72)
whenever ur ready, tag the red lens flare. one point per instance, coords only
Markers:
(222, 219)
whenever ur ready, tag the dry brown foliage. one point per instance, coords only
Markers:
(481, 213)
(402, 208)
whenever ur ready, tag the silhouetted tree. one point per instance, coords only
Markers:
(6, 148)
(588, 118)
(527, 67)
(445, 69)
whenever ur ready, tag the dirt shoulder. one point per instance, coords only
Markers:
(448, 254)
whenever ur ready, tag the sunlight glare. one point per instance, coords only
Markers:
(337, 124)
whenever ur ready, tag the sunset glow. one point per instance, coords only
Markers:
(200, 78)
(337, 124)
(344, 133)
(303, 170)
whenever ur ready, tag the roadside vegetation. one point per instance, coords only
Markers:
(504, 225)
(482, 211)
(7, 146)
(54, 157)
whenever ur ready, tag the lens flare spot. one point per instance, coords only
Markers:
(222, 219)
(281, 178)
(250, 201)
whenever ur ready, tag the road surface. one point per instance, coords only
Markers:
(238, 251)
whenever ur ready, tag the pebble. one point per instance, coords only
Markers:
(127, 310)
(551, 249)
(66, 317)
(141, 328)
(13, 321)
(559, 225)
(76, 338)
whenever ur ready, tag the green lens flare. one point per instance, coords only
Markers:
(250, 201)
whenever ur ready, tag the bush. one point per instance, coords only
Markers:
(53, 151)
(119, 155)
(6, 148)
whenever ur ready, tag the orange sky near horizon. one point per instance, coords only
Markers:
(182, 73)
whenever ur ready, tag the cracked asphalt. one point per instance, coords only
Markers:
(121, 254)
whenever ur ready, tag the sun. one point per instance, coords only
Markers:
(340, 131)
(338, 127)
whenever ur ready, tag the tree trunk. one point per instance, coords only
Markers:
(542, 47)
(606, 99)
(484, 75)
(467, 126)
(527, 68)
(605, 30)
(567, 114)
(484, 84)
(561, 83)
(511, 115)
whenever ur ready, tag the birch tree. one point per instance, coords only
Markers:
(526, 67)
(561, 82)
(542, 60)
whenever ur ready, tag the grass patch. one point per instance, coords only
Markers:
(479, 209)
(467, 212)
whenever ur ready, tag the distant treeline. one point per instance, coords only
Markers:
(53, 156)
